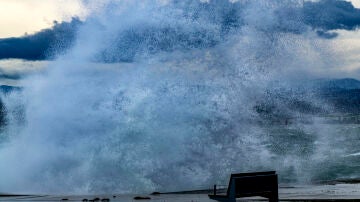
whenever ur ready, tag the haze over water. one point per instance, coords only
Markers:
(174, 95)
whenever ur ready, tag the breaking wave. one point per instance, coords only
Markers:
(173, 95)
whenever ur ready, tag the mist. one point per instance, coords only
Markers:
(165, 95)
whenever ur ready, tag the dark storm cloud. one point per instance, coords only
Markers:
(326, 34)
(138, 39)
(196, 32)
(324, 17)
(331, 15)
(41, 45)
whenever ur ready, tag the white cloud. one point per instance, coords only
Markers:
(346, 49)
(19, 16)
(356, 3)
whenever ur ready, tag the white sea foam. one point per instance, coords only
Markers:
(172, 108)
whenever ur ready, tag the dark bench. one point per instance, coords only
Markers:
(263, 184)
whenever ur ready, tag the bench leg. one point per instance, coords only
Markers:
(232, 194)
(274, 197)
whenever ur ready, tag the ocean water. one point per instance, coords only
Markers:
(166, 95)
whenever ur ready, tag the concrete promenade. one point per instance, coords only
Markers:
(338, 192)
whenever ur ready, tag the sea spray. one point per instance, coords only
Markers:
(165, 96)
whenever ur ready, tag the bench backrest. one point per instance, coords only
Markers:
(248, 183)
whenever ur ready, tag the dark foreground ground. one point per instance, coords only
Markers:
(337, 192)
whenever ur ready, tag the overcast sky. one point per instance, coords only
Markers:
(356, 3)
(28, 16)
